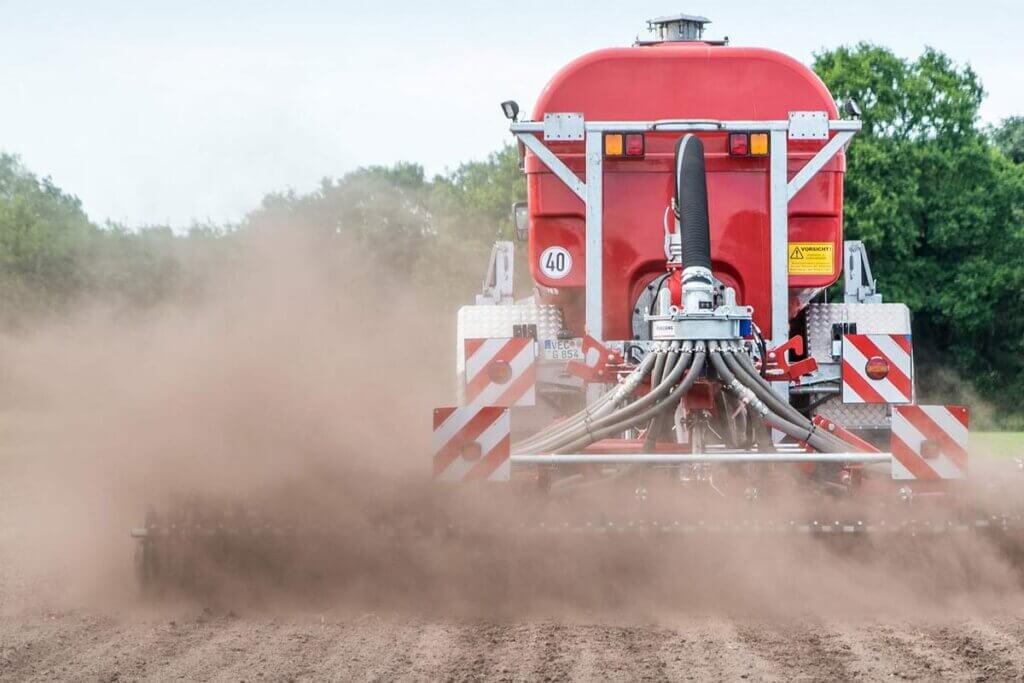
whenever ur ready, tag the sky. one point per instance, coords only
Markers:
(191, 111)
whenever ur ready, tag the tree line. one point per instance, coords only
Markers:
(937, 197)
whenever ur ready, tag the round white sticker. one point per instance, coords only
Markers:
(555, 262)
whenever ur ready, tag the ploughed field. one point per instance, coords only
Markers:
(69, 611)
(94, 645)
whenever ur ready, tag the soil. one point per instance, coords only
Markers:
(112, 633)
(785, 610)
(204, 645)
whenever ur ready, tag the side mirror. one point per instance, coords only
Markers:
(511, 110)
(521, 221)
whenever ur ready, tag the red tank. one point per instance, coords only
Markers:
(683, 81)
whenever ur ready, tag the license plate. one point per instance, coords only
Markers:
(562, 349)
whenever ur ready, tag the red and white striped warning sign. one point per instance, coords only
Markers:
(929, 442)
(472, 443)
(501, 372)
(878, 368)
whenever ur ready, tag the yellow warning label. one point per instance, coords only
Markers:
(811, 258)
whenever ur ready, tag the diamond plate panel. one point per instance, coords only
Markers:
(870, 319)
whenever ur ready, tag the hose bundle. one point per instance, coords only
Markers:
(610, 415)
(672, 370)
(738, 375)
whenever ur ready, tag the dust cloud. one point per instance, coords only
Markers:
(302, 383)
(300, 365)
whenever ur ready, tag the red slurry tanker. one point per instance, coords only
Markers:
(684, 223)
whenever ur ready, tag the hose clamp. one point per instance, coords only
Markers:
(810, 432)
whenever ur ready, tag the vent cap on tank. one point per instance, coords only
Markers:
(679, 28)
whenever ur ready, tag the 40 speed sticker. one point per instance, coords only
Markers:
(555, 262)
(811, 258)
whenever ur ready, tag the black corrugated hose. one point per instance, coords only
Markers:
(692, 203)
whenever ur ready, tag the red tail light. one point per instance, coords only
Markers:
(634, 145)
(739, 144)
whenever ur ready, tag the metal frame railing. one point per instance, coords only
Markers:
(700, 458)
(799, 126)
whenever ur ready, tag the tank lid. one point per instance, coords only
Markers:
(678, 28)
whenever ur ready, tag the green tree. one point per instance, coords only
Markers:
(52, 256)
(486, 189)
(383, 212)
(43, 234)
(434, 233)
(940, 210)
(1008, 136)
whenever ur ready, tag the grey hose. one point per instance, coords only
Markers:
(600, 408)
(762, 389)
(668, 402)
(748, 395)
(656, 393)
(603, 407)
(812, 439)
(659, 366)
(551, 444)
(652, 429)
(658, 422)
(668, 380)
(740, 363)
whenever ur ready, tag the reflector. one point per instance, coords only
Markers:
(876, 368)
(499, 372)
(930, 449)
(759, 144)
(472, 451)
